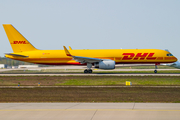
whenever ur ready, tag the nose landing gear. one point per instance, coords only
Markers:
(155, 71)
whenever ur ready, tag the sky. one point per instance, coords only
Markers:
(93, 24)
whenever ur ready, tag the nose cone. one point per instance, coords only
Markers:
(175, 59)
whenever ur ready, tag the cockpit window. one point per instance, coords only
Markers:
(169, 54)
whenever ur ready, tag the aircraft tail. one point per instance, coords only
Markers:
(18, 42)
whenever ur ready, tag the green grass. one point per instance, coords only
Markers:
(89, 80)
(149, 81)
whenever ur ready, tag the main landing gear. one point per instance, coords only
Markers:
(89, 70)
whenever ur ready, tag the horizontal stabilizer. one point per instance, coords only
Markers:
(17, 55)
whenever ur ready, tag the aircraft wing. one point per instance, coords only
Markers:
(86, 59)
(82, 59)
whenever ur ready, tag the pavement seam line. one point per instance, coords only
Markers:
(94, 114)
(72, 106)
(133, 106)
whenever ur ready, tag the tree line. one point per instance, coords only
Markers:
(10, 62)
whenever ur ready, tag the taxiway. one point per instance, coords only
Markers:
(94, 74)
(89, 111)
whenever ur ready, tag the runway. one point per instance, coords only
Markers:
(94, 74)
(89, 111)
(79, 71)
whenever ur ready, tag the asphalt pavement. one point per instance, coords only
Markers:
(92, 74)
(90, 111)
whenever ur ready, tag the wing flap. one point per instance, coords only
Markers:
(86, 59)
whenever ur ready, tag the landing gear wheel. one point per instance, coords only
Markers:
(85, 71)
(89, 71)
(155, 71)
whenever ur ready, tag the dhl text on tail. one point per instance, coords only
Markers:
(23, 50)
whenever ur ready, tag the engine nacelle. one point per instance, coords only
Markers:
(107, 64)
(175, 64)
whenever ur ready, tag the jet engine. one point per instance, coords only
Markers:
(175, 64)
(106, 64)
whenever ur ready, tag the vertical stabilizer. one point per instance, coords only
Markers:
(18, 42)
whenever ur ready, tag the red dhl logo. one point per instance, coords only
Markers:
(20, 42)
(138, 56)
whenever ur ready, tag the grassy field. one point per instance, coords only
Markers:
(89, 80)
(91, 94)
(137, 94)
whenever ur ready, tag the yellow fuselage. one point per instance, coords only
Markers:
(129, 56)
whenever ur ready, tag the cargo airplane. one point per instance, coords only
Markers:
(23, 50)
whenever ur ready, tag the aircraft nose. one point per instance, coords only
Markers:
(175, 59)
